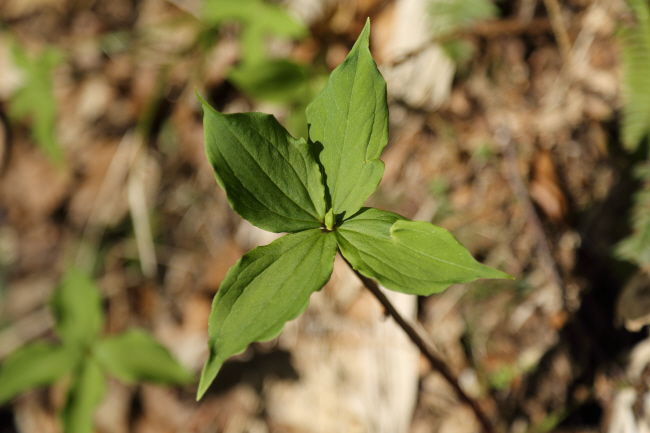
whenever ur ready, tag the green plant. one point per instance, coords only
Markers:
(636, 247)
(34, 100)
(636, 68)
(315, 190)
(258, 75)
(635, 126)
(258, 18)
(131, 357)
(450, 16)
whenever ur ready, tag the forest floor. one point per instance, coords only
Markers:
(515, 150)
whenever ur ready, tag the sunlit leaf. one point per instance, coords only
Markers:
(266, 288)
(407, 256)
(270, 178)
(348, 128)
(34, 365)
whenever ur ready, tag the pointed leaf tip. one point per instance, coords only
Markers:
(348, 123)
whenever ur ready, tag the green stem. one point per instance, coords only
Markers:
(426, 348)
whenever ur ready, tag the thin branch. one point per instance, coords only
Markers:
(425, 347)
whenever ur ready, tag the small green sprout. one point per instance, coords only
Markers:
(85, 355)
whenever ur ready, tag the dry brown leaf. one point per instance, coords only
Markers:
(545, 187)
(32, 187)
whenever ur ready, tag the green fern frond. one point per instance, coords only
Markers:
(34, 101)
(636, 247)
(636, 76)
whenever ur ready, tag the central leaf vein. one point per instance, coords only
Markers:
(266, 305)
(266, 174)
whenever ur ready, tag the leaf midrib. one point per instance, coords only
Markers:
(268, 209)
(267, 175)
(283, 284)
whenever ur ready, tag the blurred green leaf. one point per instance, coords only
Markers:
(259, 14)
(259, 19)
(451, 15)
(85, 394)
(136, 356)
(35, 99)
(34, 365)
(276, 183)
(279, 81)
(635, 126)
(218, 11)
(636, 70)
(636, 247)
(77, 308)
(459, 51)
(265, 289)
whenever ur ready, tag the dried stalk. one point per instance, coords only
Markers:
(427, 350)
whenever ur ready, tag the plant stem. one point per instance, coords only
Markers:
(426, 348)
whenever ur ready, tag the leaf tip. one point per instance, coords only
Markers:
(209, 373)
(495, 274)
(365, 33)
(199, 97)
(203, 387)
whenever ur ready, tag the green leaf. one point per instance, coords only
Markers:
(85, 394)
(413, 257)
(136, 356)
(636, 247)
(77, 308)
(266, 288)
(348, 128)
(217, 11)
(270, 178)
(268, 17)
(636, 69)
(34, 365)
(35, 99)
(449, 16)
(259, 19)
(279, 81)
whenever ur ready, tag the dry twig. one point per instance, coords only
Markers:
(421, 341)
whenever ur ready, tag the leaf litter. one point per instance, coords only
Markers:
(521, 347)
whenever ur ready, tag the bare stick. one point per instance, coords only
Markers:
(426, 348)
